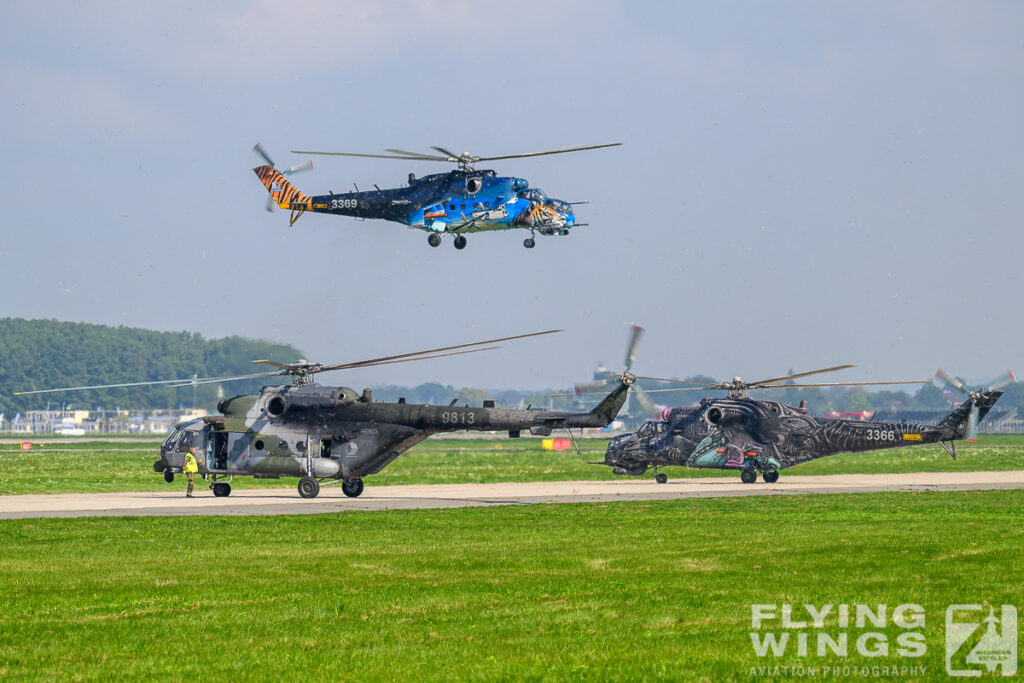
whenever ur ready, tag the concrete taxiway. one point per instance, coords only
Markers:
(331, 499)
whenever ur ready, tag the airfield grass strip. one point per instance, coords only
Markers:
(91, 467)
(659, 589)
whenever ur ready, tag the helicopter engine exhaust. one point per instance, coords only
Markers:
(716, 415)
(277, 406)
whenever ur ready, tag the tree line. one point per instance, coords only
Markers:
(45, 354)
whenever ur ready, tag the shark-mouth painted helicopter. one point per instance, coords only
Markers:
(745, 434)
(456, 203)
(329, 435)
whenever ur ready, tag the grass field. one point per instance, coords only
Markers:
(598, 591)
(119, 466)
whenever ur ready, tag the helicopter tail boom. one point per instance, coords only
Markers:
(607, 410)
(284, 194)
(961, 423)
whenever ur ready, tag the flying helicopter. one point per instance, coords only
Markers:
(329, 435)
(749, 435)
(463, 201)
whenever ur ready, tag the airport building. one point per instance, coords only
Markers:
(81, 422)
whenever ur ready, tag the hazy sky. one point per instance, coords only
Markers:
(802, 183)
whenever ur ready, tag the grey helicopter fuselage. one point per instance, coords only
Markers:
(747, 434)
(335, 433)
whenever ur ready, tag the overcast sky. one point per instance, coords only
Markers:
(802, 184)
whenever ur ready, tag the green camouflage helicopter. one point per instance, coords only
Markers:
(328, 435)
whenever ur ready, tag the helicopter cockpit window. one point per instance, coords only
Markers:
(184, 443)
(560, 206)
(537, 195)
(172, 438)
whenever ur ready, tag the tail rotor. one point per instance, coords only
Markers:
(635, 334)
(307, 166)
(973, 397)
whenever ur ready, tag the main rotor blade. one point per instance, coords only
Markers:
(774, 380)
(701, 388)
(590, 387)
(258, 148)
(274, 363)
(839, 384)
(218, 380)
(451, 154)
(972, 423)
(435, 355)
(372, 156)
(676, 381)
(636, 332)
(419, 155)
(172, 382)
(563, 150)
(951, 380)
(308, 166)
(999, 384)
(646, 404)
(361, 363)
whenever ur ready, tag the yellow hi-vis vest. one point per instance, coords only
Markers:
(190, 463)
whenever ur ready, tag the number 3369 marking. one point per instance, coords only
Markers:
(344, 203)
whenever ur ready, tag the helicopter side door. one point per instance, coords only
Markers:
(236, 451)
(218, 451)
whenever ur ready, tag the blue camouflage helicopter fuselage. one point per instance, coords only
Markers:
(465, 200)
(456, 203)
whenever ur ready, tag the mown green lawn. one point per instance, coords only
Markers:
(118, 466)
(585, 592)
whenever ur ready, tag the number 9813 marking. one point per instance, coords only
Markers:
(455, 418)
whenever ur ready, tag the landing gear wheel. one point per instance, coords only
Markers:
(222, 489)
(352, 487)
(528, 243)
(460, 242)
(770, 476)
(661, 477)
(434, 240)
(169, 476)
(309, 487)
(748, 476)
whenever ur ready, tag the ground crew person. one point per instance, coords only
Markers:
(190, 469)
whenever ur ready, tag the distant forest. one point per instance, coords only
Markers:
(45, 354)
(42, 354)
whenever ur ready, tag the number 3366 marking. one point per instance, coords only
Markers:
(879, 435)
